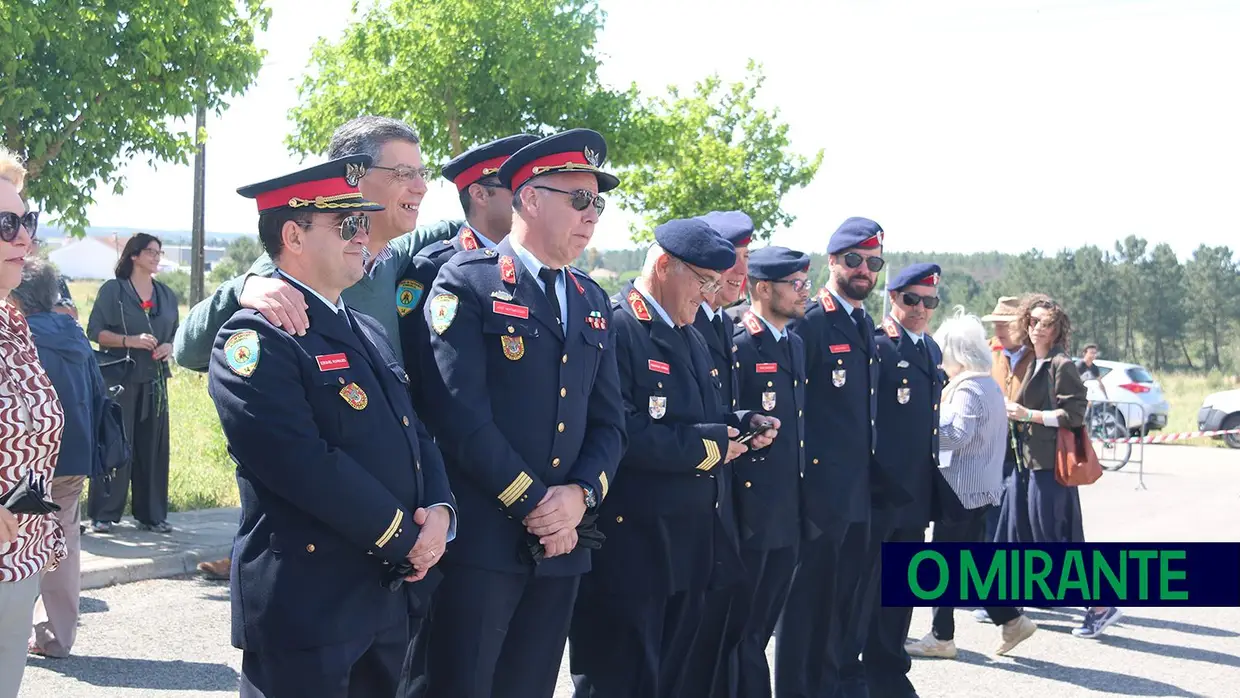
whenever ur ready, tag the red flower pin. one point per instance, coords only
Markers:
(147, 305)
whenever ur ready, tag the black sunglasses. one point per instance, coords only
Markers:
(11, 222)
(853, 260)
(349, 227)
(931, 302)
(581, 198)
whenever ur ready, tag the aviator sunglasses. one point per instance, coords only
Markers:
(931, 302)
(581, 198)
(853, 260)
(350, 226)
(11, 222)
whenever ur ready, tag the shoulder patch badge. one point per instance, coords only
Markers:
(241, 353)
(752, 324)
(827, 300)
(507, 270)
(638, 304)
(443, 312)
(408, 293)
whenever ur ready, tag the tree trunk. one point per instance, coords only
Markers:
(1187, 358)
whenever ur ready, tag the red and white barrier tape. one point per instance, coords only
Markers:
(1163, 438)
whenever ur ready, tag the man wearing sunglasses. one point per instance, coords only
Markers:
(522, 373)
(639, 628)
(398, 181)
(909, 386)
(767, 483)
(343, 493)
(824, 625)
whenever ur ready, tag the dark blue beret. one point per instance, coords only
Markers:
(735, 226)
(775, 263)
(576, 150)
(483, 160)
(692, 241)
(328, 187)
(856, 232)
(920, 274)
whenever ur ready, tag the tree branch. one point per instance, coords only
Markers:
(35, 167)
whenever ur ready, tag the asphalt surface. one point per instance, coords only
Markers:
(170, 637)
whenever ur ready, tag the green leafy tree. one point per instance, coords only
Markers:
(462, 73)
(87, 84)
(714, 149)
(1213, 281)
(238, 257)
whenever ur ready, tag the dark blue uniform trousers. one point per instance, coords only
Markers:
(886, 662)
(358, 669)
(497, 634)
(768, 578)
(822, 631)
(636, 646)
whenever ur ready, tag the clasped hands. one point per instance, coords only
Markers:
(432, 540)
(554, 521)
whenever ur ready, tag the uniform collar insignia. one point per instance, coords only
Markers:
(752, 324)
(638, 304)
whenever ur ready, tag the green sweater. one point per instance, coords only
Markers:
(374, 295)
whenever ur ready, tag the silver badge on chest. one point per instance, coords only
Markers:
(658, 406)
(838, 377)
(902, 395)
(768, 400)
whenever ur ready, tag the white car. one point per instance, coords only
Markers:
(1136, 400)
(1221, 411)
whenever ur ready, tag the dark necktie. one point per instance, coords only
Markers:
(549, 276)
(858, 316)
(925, 352)
(718, 323)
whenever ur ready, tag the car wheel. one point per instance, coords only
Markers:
(1232, 422)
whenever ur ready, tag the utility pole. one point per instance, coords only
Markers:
(197, 254)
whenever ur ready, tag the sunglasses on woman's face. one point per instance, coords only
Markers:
(931, 302)
(11, 222)
(852, 260)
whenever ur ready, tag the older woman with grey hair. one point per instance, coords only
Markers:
(973, 436)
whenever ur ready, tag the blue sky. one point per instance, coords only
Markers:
(959, 125)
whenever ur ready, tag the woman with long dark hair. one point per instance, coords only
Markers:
(135, 317)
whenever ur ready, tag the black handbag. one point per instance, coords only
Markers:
(110, 441)
(29, 497)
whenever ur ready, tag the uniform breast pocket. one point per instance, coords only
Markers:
(650, 393)
(511, 336)
(595, 344)
(340, 401)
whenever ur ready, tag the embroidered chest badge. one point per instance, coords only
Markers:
(408, 293)
(902, 394)
(658, 406)
(768, 400)
(241, 352)
(355, 396)
(514, 347)
(839, 377)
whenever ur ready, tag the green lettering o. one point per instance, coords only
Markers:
(944, 575)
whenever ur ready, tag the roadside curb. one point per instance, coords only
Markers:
(137, 570)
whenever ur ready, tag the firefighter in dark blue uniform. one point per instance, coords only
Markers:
(488, 218)
(343, 495)
(909, 387)
(670, 527)
(822, 632)
(767, 483)
(531, 424)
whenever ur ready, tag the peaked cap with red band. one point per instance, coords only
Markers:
(735, 226)
(327, 188)
(483, 161)
(922, 274)
(577, 150)
(856, 232)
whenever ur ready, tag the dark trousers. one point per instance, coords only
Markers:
(497, 634)
(351, 670)
(146, 427)
(969, 528)
(769, 576)
(822, 631)
(886, 662)
(710, 670)
(625, 646)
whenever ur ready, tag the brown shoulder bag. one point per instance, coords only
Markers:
(1076, 463)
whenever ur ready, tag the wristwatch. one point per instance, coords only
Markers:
(591, 500)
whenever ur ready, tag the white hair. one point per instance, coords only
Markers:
(653, 255)
(963, 341)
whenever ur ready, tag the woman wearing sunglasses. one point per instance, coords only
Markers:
(135, 317)
(33, 422)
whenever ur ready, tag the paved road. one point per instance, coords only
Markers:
(170, 637)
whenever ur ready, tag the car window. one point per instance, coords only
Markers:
(1102, 371)
(1138, 374)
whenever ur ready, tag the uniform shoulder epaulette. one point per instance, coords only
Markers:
(752, 324)
(470, 256)
(827, 300)
(889, 326)
(638, 303)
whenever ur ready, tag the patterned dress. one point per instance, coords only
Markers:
(31, 422)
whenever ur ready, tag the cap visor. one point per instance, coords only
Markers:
(606, 181)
